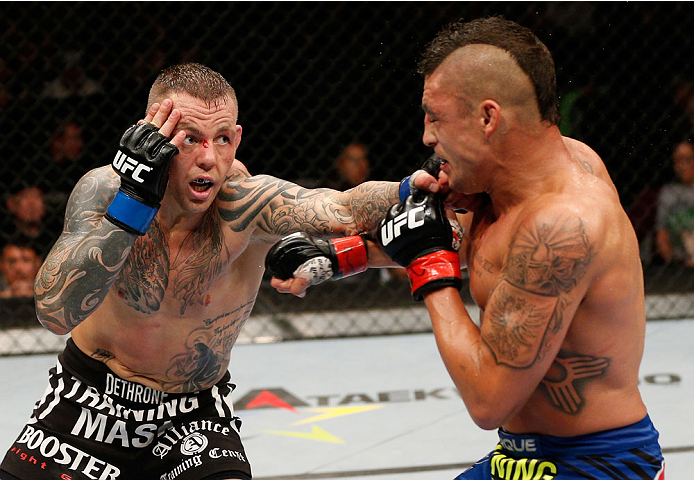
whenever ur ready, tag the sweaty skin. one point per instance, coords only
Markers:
(553, 260)
(166, 308)
(541, 319)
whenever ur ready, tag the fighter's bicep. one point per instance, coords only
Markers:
(515, 324)
(274, 207)
(541, 285)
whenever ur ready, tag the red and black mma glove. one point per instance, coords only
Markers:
(315, 259)
(142, 162)
(417, 235)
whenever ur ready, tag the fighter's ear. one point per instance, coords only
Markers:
(490, 116)
(237, 139)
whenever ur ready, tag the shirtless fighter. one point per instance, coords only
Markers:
(553, 261)
(155, 273)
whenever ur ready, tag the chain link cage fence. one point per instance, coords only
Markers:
(311, 79)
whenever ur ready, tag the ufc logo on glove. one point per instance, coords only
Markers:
(123, 163)
(391, 229)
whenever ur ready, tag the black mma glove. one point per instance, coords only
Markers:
(431, 165)
(143, 164)
(316, 260)
(417, 235)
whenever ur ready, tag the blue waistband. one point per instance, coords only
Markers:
(616, 440)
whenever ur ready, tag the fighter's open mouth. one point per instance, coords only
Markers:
(201, 184)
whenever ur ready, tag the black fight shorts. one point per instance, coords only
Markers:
(92, 425)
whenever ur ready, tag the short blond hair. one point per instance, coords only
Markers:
(194, 79)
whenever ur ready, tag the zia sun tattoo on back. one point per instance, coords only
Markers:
(526, 309)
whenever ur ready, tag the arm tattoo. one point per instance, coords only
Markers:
(83, 264)
(545, 263)
(279, 207)
(371, 201)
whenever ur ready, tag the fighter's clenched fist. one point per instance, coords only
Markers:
(417, 235)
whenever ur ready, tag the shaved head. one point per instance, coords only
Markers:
(196, 80)
(479, 72)
(526, 57)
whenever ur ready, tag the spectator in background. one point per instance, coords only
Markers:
(19, 264)
(64, 161)
(72, 80)
(67, 143)
(352, 167)
(684, 103)
(675, 210)
(26, 217)
(67, 156)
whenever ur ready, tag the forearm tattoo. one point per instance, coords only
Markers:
(526, 307)
(83, 264)
(279, 207)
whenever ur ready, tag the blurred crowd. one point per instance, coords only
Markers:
(351, 107)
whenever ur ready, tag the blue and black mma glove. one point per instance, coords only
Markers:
(316, 259)
(142, 162)
(431, 165)
(417, 235)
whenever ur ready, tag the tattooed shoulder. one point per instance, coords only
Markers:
(550, 255)
(547, 259)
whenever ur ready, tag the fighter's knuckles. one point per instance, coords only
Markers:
(314, 271)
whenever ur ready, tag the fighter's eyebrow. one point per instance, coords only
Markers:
(189, 127)
(427, 109)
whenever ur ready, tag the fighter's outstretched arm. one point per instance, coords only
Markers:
(276, 207)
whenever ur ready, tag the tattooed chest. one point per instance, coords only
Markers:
(154, 271)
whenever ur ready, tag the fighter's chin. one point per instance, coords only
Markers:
(196, 204)
(197, 207)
